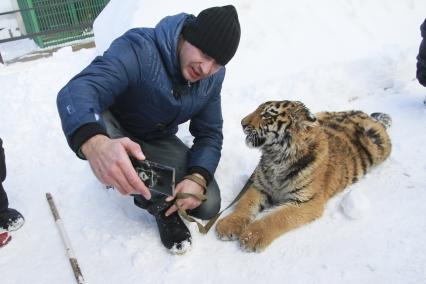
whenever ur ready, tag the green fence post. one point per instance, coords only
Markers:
(35, 27)
(73, 13)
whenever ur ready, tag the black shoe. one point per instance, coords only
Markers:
(174, 234)
(11, 220)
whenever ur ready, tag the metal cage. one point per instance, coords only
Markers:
(56, 22)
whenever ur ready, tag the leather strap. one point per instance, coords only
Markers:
(200, 181)
(204, 229)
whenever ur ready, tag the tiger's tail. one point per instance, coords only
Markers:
(383, 118)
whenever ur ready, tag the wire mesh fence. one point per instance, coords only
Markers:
(54, 22)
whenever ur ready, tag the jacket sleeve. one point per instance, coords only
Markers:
(83, 99)
(421, 58)
(206, 127)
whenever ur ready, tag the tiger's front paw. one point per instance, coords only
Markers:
(230, 227)
(255, 238)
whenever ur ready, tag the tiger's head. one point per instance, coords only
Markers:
(278, 123)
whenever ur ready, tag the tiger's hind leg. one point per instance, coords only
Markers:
(383, 118)
(260, 234)
(230, 227)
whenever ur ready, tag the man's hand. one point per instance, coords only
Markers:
(111, 164)
(185, 186)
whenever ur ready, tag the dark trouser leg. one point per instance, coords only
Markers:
(173, 152)
(10, 219)
(4, 203)
(170, 151)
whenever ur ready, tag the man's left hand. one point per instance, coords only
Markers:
(185, 186)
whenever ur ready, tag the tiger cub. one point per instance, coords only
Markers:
(305, 160)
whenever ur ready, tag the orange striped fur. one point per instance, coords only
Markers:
(305, 160)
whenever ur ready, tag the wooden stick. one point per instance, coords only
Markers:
(73, 260)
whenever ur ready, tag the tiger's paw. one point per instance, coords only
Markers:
(230, 227)
(255, 238)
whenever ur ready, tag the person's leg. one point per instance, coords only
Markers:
(174, 234)
(171, 151)
(10, 219)
(4, 203)
(211, 206)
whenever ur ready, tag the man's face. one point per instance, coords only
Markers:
(195, 65)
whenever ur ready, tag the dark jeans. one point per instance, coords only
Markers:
(4, 203)
(170, 151)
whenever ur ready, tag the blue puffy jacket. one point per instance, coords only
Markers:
(139, 80)
(421, 58)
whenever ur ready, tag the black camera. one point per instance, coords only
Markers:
(157, 177)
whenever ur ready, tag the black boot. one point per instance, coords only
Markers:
(174, 234)
(11, 219)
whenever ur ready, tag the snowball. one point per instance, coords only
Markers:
(355, 204)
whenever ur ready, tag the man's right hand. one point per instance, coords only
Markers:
(109, 159)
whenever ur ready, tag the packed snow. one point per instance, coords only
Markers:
(332, 55)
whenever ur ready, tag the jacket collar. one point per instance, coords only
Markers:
(167, 33)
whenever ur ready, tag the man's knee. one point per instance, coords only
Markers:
(209, 208)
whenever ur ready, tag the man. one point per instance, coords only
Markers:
(131, 100)
(421, 58)
(10, 219)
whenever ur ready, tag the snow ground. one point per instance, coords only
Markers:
(332, 55)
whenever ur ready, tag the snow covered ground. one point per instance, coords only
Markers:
(332, 55)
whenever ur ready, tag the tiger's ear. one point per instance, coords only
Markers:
(308, 124)
(310, 116)
(308, 121)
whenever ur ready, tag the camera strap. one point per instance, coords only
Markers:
(204, 229)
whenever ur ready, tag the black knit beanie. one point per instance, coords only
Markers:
(216, 31)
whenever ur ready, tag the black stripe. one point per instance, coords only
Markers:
(269, 199)
(279, 125)
(357, 143)
(298, 189)
(300, 165)
(335, 126)
(375, 136)
(286, 139)
(338, 142)
(345, 174)
(340, 118)
(290, 123)
(298, 201)
(365, 150)
(354, 170)
(261, 182)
